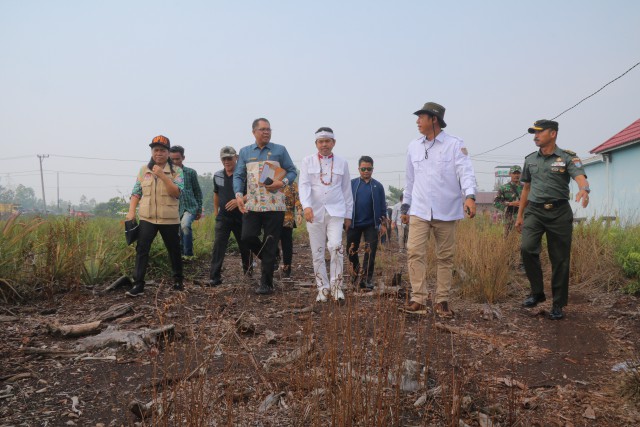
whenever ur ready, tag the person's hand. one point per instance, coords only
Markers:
(130, 216)
(241, 206)
(519, 223)
(516, 204)
(347, 223)
(231, 205)
(198, 215)
(584, 196)
(274, 186)
(470, 207)
(394, 225)
(158, 171)
(404, 218)
(298, 218)
(308, 215)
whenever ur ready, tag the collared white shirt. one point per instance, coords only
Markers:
(335, 198)
(435, 185)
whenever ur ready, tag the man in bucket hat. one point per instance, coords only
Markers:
(544, 208)
(440, 182)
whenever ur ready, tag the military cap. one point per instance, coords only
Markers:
(515, 168)
(539, 125)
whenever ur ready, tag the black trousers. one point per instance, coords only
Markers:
(354, 235)
(286, 241)
(270, 225)
(170, 236)
(557, 224)
(224, 228)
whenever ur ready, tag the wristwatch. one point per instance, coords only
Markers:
(285, 181)
(471, 196)
(587, 189)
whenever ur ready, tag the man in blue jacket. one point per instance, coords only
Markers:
(368, 219)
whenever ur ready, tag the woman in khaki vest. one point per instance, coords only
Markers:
(156, 192)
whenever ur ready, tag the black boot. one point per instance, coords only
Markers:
(137, 290)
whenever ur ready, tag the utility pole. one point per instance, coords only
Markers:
(43, 156)
(58, 182)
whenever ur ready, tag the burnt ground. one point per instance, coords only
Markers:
(491, 365)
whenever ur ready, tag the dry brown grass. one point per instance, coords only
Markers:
(485, 259)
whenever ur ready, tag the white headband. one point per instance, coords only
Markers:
(324, 134)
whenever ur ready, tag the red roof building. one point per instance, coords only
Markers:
(614, 179)
(627, 136)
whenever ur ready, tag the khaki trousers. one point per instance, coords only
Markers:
(444, 233)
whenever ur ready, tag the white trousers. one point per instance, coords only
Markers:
(327, 235)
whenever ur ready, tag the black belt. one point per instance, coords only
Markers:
(550, 204)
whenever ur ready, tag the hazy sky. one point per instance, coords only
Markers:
(101, 79)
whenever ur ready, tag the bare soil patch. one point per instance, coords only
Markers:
(236, 358)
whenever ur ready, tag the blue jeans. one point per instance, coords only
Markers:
(186, 234)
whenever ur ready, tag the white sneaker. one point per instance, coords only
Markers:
(337, 294)
(322, 295)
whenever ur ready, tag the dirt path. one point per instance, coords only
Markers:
(322, 364)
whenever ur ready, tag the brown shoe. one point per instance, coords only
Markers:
(442, 310)
(414, 308)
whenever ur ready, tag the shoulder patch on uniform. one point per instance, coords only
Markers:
(569, 152)
(464, 151)
(576, 161)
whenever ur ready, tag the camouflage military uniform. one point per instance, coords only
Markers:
(509, 192)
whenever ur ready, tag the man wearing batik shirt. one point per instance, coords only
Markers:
(265, 206)
(327, 200)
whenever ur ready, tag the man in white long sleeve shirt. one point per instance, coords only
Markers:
(440, 182)
(326, 197)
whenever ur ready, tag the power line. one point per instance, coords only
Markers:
(565, 111)
(16, 157)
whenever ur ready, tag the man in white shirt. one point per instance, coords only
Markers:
(440, 181)
(325, 195)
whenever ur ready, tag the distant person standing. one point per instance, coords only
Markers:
(545, 209)
(507, 201)
(325, 195)
(156, 192)
(292, 217)
(228, 218)
(440, 187)
(190, 201)
(396, 222)
(369, 219)
(265, 205)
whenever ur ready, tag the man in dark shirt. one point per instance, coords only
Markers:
(228, 217)
(369, 218)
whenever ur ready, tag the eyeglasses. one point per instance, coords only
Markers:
(264, 129)
(426, 149)
(227, 159)
(366, 169)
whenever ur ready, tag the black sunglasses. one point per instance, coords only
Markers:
(366, 169)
